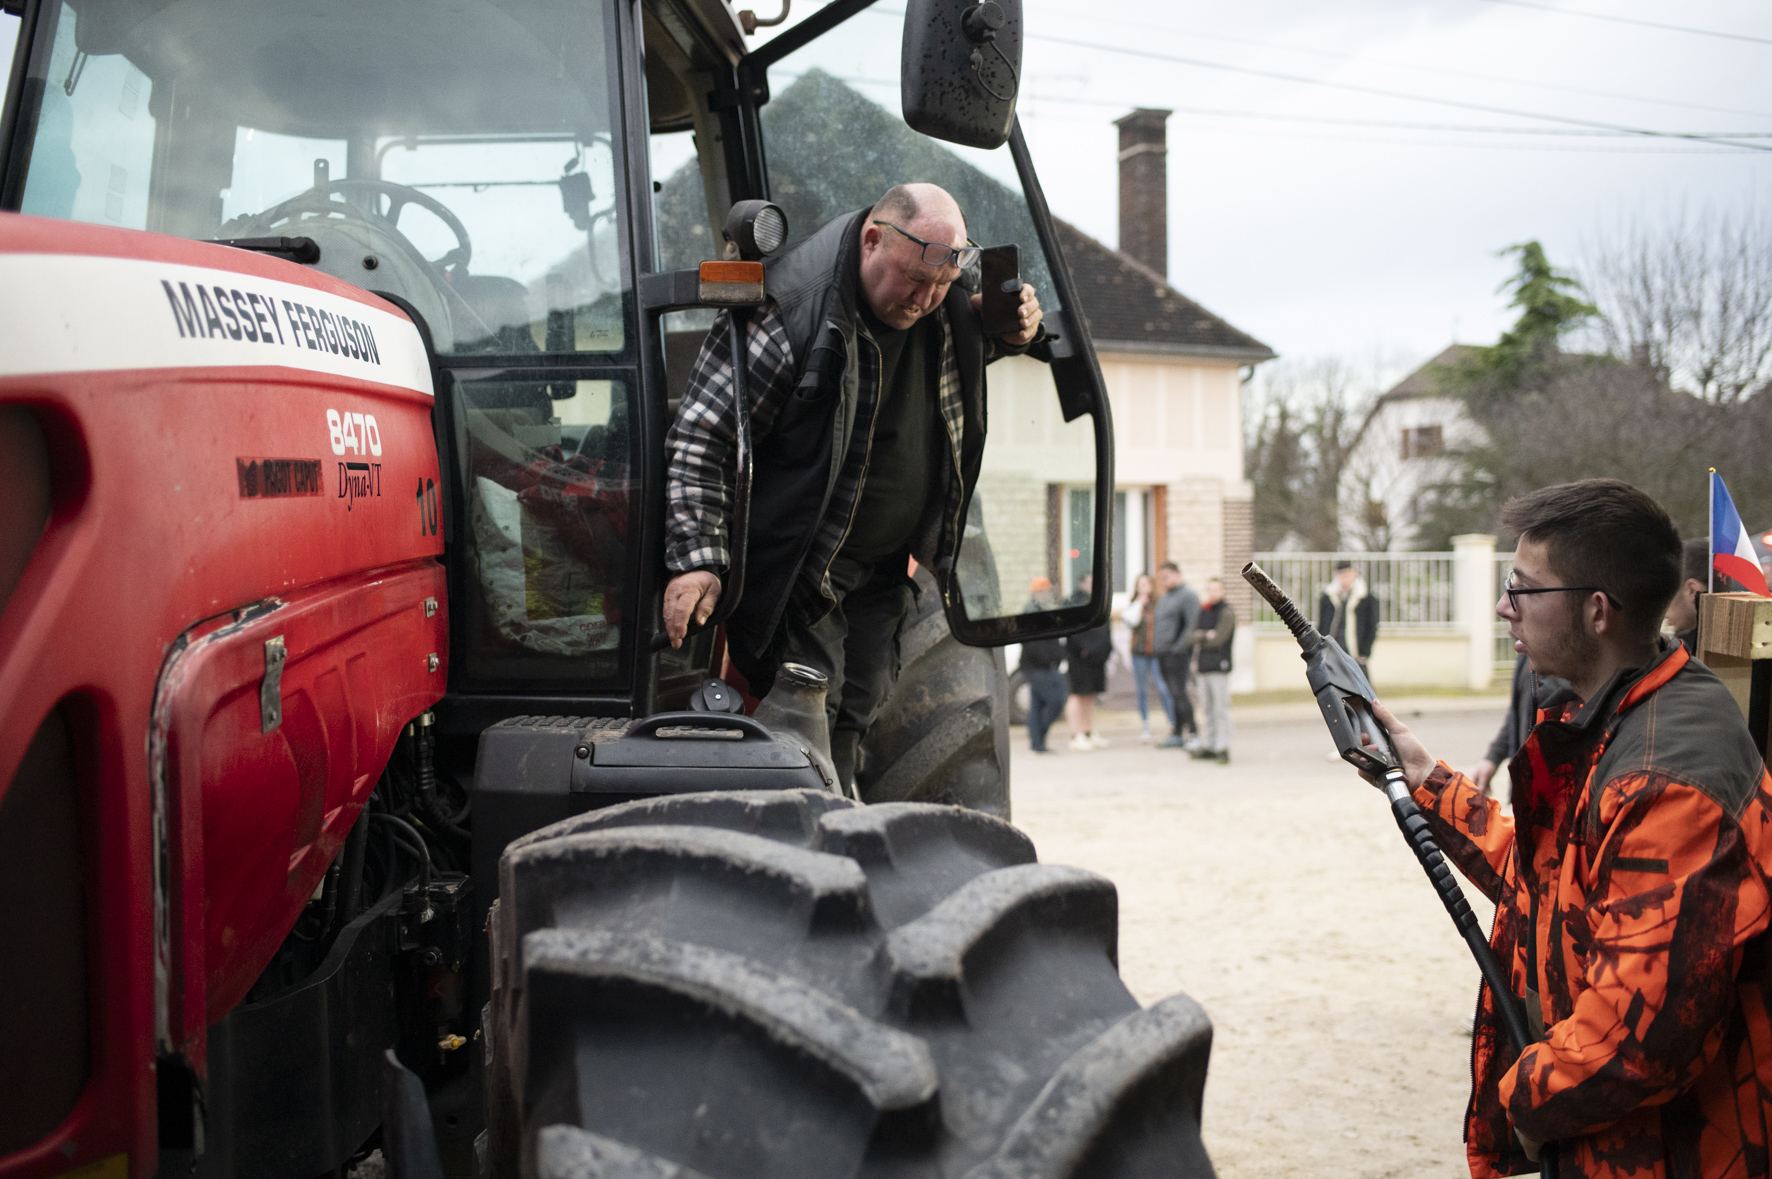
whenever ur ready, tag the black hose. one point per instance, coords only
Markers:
(431, 807)
(356, 853)
(404, 834)
(1420, 839)
(333, 875)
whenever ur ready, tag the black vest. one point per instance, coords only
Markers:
(797, 463)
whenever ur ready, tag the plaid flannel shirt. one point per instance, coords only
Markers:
(698, 486)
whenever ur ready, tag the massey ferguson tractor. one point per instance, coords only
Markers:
(350, 799)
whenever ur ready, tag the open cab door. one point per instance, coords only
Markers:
(1035, 558)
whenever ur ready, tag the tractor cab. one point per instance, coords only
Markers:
(509, 171)
(535, 185)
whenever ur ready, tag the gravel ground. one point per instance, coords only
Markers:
(1277, 892)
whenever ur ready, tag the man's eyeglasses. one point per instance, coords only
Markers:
(1514, 594)
(937, 255)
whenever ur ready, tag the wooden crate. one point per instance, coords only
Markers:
(1735, 641)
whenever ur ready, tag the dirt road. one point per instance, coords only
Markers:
(1277, 892)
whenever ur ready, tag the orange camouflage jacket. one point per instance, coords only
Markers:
(1632, 907)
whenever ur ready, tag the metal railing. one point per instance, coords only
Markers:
(1414, 590)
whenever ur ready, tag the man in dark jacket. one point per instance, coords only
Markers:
(1516, 726)
(1176, 611)
(1347, 613)
(1214, 629)
(866, 380)
(1682, 612)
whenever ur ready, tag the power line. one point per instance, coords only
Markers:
(1331, 120)
(1220, 112)
(1404, 65)
(1464, 145)
(1300, 79)
(1626, 20)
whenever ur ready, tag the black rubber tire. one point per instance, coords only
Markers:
(944, 734)
(1020, 698)
(784, 985)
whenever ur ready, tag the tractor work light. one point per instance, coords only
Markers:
(757, 228)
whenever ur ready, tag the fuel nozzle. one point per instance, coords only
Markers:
(1344, 695)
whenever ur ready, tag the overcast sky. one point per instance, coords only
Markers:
(1295, 218)
(1298, 217)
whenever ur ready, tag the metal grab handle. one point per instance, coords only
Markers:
(699, 720)
(738, 531)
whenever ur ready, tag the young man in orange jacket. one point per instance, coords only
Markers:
(1630, 880)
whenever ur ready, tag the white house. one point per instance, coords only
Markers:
(1401, 453)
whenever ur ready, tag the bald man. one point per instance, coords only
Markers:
(865, 380)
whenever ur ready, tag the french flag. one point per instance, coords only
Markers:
(1731, 549)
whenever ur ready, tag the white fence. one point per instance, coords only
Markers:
(1414, 590)
(1436, 617)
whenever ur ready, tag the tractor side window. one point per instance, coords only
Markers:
(94, 147)
(548, 483)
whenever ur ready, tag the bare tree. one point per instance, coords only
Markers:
(1690, 300)
(1302, 421)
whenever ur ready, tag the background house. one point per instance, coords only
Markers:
(1174, 374)
(1402, 451)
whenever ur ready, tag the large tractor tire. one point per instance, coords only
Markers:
(944, 734)
(784, 985)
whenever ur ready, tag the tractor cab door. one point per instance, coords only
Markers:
(825, 98)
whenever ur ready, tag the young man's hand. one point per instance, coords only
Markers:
(693, 594)
(1418, 763)
(1030, 317)
(1485, 771)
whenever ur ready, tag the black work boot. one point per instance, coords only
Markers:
(845, 746)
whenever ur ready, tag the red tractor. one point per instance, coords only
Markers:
(350, 800)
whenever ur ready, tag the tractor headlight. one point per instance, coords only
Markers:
(757, 228)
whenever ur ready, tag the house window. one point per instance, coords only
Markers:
(1422, 442)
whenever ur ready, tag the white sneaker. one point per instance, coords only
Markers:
(1081, 743)
(1096, 742)
(1145, 736)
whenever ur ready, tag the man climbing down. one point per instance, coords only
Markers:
(866, 377)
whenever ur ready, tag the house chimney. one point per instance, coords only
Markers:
(1144, 187)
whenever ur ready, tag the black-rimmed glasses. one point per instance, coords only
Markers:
(937, 255)
(1514, 594)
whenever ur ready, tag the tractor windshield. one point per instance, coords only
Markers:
(458, 154)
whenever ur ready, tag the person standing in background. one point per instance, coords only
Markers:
(1516, 726)
(1682, 612)
(1140, 617)
(1040, 662)
(1086, 655)
(1347, 613)
(1213, 631)
(1176, 611)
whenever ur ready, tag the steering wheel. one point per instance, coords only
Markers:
(316, 200)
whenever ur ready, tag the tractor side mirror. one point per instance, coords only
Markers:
(575, 198)
(960, 72)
